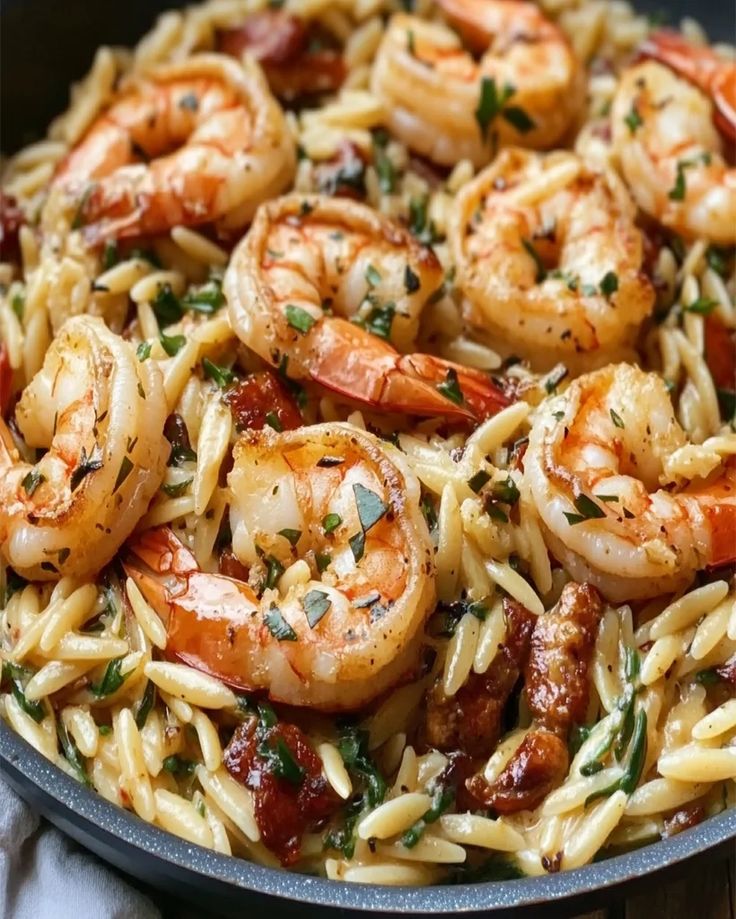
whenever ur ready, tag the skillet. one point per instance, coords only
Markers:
(44, 46)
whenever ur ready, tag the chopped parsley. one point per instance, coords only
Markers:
(87, 464)
(223, 376)
(587, 510)
(541, 271)
(411, 280)
(299, 318)
(633, 120)
(31, 481)
(166, 306)
(172, 344)
(450, 387)
(330, 522)
(111, 680)
(316, 603)
(143, 351)
(278, 626)
(616, 419)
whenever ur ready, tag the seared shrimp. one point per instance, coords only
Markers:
(671, 154)
(442, 102)
(341, 572)
(715, 75)
(99, 413)
(195, 142)
(549, 259)
(309, 265)
(595, 464)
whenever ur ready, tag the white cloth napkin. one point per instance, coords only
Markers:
(44, 874)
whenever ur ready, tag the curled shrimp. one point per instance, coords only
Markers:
(328, 522)
(195, 142)
(98, 412)
(525, 88)
(670, 152)
(714, 75)
(309, 265)
(549, 259)
(596, 459)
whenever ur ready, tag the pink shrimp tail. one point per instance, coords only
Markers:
(701, 66)
(350, 361)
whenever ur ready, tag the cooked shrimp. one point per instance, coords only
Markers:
(549, 259)
(671, 154)
(715, 75)
(442, 102)
(189, 143)
(309, 265)
(595, 464)
(333, 503)
(99, 413)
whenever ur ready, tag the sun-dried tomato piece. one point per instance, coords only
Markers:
(470, 721)
(537, 767)
(557, 684)
(231, 566)
(283, 45)
(720, 353)
(727, 671)
(262, 399)
(286, 805)
(690, 815)
(11, 220)
(6, 380)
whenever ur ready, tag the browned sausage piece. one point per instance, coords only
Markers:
(539, 765)
(557, 685)
(470, 721)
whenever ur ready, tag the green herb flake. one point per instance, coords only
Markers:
(372, 276)
(166, 306)
(518, 118)
(87, 464)
(316, 603)
(322, 560)
(617, 419)
(179, 766)
(506, 491)
(411, 280)
(442, 799)
(298, 318)
(208, 298)
(385, 170)
(370, 506)
(490, 103)
(145, 706)
(274, 570)
(293, 536)
(477, 481)
(609, 284)
(554, 378)
(172, 344)
(278, 626)
(357, 545)
(273, 421)
(223, 376)
(703, 306)
(111, 680)
(71, 752)
(280, 761)
(353, 748)
(541, 270)
(110, 255)
(143, 351)
(450, 387)
(633, 120)
(126, 467)
(32, 480)
(79, 218)
(380, 320)
(330, 522)
(177, 489)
